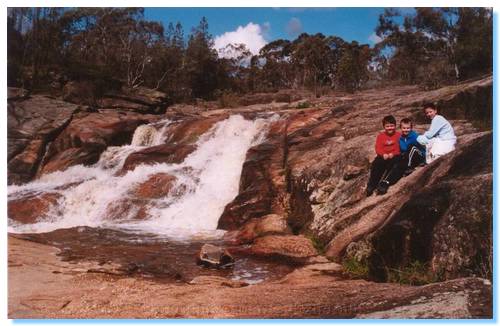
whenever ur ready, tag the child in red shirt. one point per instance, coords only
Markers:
(387, 149)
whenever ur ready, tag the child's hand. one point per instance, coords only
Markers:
(390, 155)
(386, 156)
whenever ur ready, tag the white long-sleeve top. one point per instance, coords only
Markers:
(440, 128)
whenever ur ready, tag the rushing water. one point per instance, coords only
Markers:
(164, 244)
(206, 182)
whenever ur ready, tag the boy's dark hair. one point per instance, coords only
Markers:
(429, 105)
(406, 121)
(388, 119)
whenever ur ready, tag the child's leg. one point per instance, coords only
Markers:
(415, 157)
(376, 171)
(395, 168)
(440, 148)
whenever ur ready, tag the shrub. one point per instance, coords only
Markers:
(355, 268)
(303, 105)
(416, 273)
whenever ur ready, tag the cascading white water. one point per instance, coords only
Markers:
(206, 182)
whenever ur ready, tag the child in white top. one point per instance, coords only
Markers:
(440, 139)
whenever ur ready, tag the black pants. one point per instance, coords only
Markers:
(413, 157)
(383, 170)
(410, 159)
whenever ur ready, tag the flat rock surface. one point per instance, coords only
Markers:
(41, 286)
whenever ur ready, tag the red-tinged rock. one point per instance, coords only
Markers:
(157, 186)
(352, 172)
(72, 156)
(157, 154)
(30, 209)
(32, 122)
(294, 248)
(257, 227)
(23, 166)
(88, 135)
(127, 209)
(262, 182)
(189, 131)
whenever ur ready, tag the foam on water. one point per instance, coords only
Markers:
(206, 182)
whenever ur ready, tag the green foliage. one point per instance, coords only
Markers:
(318, 245)
(352, 69)
(436, 46)
(416, 273)
(355, 268)
(303, 105)
(432, 46)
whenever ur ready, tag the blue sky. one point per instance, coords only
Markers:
(269, 24)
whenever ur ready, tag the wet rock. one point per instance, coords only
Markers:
(127, 209)
(213, 256)
(181, 138)
(88, 135)
(157, 154)
(188, 131)
(30, 209)
(157, 186)
(292, 248)
(217, 281)
(262, 182)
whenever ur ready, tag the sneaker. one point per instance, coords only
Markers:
(369, 191)
(382, 188)
(408, 171)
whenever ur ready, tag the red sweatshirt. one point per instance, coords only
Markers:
(386, 144)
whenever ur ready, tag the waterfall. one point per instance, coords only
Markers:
(205, 182)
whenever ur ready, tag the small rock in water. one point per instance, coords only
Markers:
(213, 256)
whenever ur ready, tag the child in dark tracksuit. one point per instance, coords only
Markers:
(387, 149)
(412, 152)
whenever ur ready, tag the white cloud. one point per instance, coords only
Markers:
(294, 27)
(375, 38)
(252, 35)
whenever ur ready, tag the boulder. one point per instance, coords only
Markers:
(138, 99)
(31, 208)
(214, 256)
(257, 227)
(80, 92)
(32, 123)
(292, 248)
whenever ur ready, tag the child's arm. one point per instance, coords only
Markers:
(379, 145)
(437, 123)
